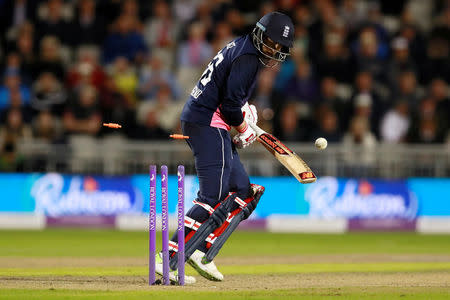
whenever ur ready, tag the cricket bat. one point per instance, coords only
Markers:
(286, 156)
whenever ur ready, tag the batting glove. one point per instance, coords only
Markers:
(245, 137)
(250, 113)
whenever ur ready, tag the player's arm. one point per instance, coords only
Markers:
(242, 126)
(242, 75)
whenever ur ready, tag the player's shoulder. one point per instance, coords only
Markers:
(241, 46)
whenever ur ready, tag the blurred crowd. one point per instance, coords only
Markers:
(361, 72)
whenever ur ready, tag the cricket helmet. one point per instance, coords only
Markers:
(279, 28)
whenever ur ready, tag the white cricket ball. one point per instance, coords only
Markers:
(321, 143)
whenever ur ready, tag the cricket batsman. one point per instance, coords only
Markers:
(217, 103)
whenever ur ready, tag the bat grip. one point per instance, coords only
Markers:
(256, 128)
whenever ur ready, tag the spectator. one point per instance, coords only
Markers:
(442, 28)
(161, 32)
(263, 98)
(428, 128)
(234, 18)
(205, 16)
(335, 61)
(437, 63)
(184, 10)
(195, 52)
(286, 7)
(24, 45)
(374, 21)
(165, 109)
(47, 128)
(131, 9)
(151, 129)
(329, 98)
(50, 58)
(54, 22)
(359, 143)
(427, 132)
(12, 82)
(328, 126)
(115, 107)
(14, 129)
(267, 7)
(407, 89)
(439, 92)
(367, 57)
(158, 118)
(11, 133)
(364, 107)
(416, 43)
(427, 109)
(335, 42)
(401, 60)
(364, 84)
(192, 56)
(222, 36)
(86, 70)
(83, 115)
(14, 64)
(10, 159)
(353, 13)
(88, 28)
(153, 76)
(16, 103)
(14, 13)
(126, 80)
(299, 53)
(303, 86)
(124, 41)
(327, 18)
(48, 94)
(301, 44)
(291, 128)
(396, 123)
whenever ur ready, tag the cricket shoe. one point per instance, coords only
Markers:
(173, 275)
(207, 270)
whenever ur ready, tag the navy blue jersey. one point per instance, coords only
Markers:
(224, 86)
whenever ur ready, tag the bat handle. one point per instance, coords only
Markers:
(256, 128)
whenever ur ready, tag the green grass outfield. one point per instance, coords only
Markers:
(356, 294)
(102, 264)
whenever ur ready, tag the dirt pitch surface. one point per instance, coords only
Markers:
(55, 262)
(239, 282)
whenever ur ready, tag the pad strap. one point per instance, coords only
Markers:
(191, 223)
(207, 207)
(210, 210)
(188, 223)
(173, 246)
